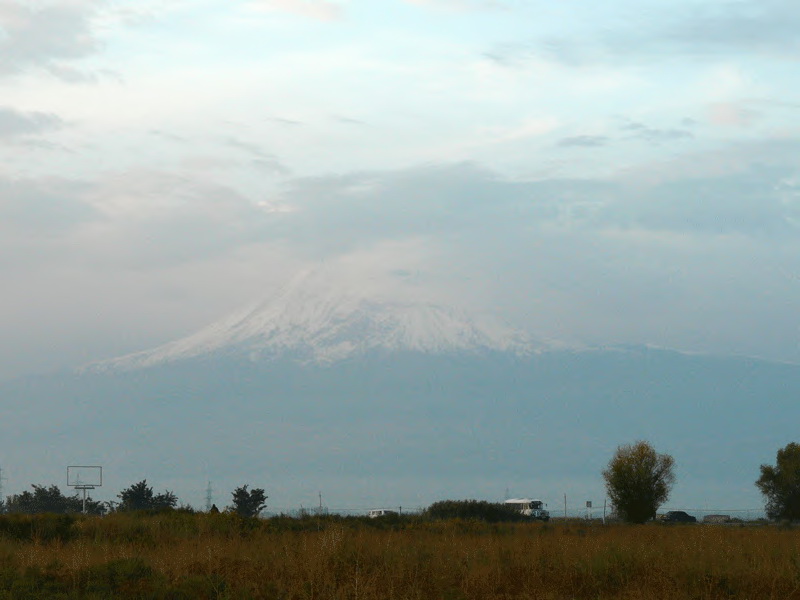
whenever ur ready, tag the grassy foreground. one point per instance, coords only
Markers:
(180, 555)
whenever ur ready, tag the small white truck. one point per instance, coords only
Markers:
(529, 507)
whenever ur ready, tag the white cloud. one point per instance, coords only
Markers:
(699, 31)
(16, 123)
(314, 9)
(46, 35)
(461, 5)
(531, 127)
(731, 114)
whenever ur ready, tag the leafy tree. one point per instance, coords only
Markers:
(50, 500)
(780, 484)
(248, 503)
(165, 500)
(481, 510)
(638, 481)
(140, 496)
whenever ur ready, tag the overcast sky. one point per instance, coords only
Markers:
(615, 172)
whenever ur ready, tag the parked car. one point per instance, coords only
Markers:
(678, 516)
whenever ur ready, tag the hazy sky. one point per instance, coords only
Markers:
(615, 172)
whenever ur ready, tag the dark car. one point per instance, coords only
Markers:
(678, 516)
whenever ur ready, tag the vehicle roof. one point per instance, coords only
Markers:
(518, 500)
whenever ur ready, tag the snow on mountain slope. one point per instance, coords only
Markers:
(322, 320)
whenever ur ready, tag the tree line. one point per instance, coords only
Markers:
(138, 496)
(638, 481)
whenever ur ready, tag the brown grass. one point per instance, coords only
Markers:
(202, 556)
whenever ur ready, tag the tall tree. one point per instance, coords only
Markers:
(140, 496)
(638, 481)
(248, 503)
(781, 484)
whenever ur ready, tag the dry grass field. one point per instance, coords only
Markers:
(180, 555)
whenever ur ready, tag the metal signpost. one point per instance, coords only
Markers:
(83, 477)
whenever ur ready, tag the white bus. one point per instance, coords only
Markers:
(529, 507)
(380, 512)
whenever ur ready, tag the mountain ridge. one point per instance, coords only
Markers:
(319, 323)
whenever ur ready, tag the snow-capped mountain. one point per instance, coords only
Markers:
(319, 319)
(376, 383)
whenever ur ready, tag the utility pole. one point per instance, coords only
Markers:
(2, 479)
(320, 503)
(565, 506)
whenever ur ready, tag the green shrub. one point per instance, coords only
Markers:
(43, 527)
(479, 510)
(121, 578)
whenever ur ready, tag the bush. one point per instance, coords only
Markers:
(49, 499)
(480, 510)
(131, 576)
(46, 527)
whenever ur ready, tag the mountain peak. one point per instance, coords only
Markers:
(319, 319)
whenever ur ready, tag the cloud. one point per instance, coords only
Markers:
(45, 36)
(731, 114)
(169, 136)
(347, 120)
(461, 5)
(656, 136)
(584, 141)
(35, 211)
(701, 32)
(284, 121)
(750, 25)
(15, 123)
(261, 159)
(633, 131)
(128, 220)
(336, 215)
(149, 218)
(528, 128)
(622, 258)
(321, 10)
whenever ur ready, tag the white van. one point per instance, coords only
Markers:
(380, 512)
